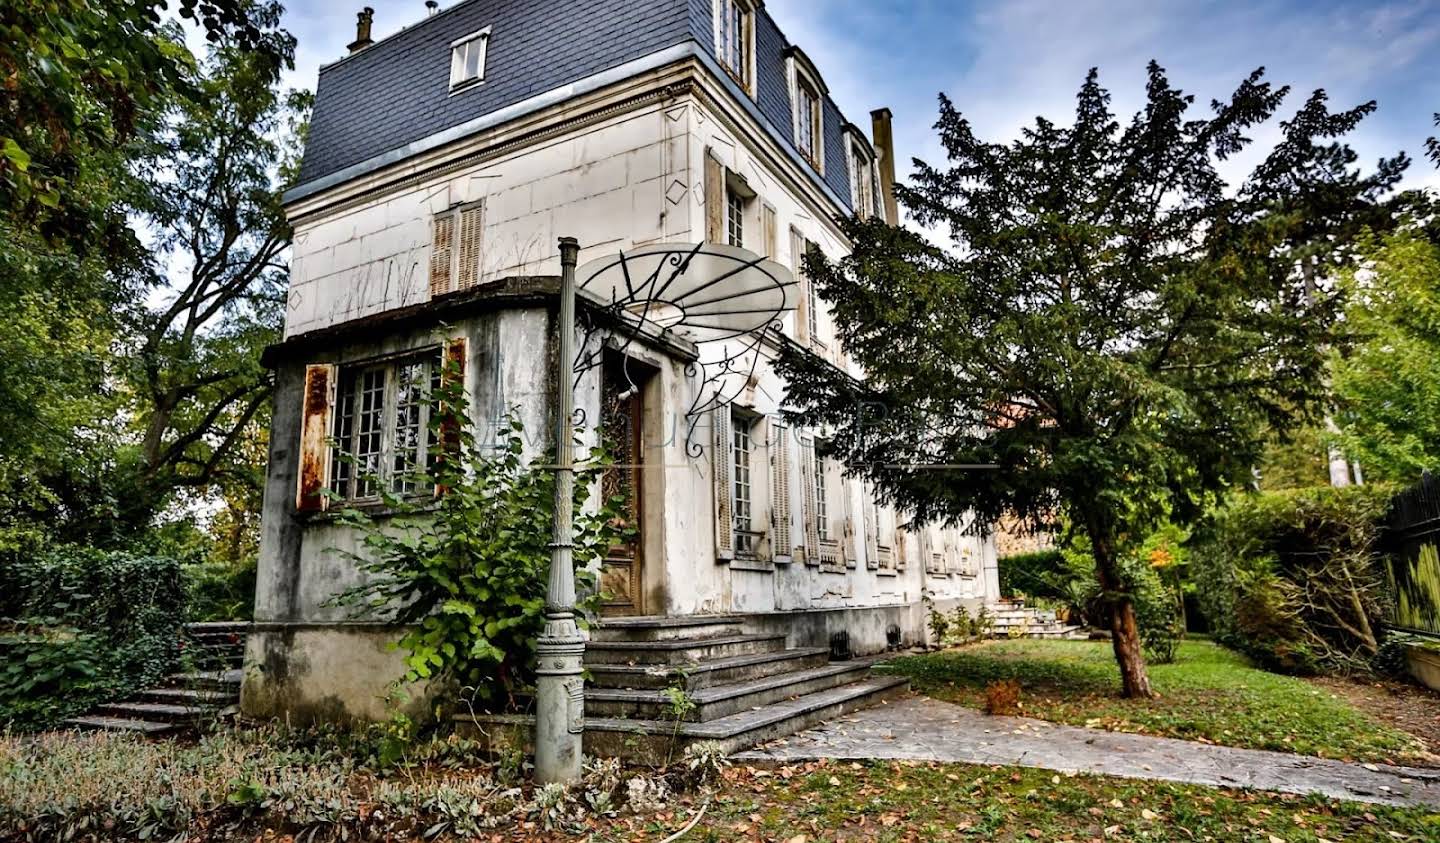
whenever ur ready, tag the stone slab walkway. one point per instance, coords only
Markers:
(922, 729)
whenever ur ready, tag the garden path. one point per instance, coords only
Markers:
(923, 729)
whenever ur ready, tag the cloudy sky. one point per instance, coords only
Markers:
(1006, 61)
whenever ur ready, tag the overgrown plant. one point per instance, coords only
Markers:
(466, 571)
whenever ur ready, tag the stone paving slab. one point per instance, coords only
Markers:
(923, 729)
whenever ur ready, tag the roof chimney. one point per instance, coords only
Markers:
(883, 139)
(431, 7)
(362, 30)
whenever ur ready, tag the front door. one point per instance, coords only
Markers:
(622, 410)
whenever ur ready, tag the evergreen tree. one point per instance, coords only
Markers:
(1113, 327)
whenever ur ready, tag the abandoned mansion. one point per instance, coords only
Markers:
(443, 164)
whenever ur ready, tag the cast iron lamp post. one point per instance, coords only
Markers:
(560, 651)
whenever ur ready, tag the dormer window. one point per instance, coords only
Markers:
(735, 39)
(807, 122)
(862, 180)
(467, 60)
(807, 98)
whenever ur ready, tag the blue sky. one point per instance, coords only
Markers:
(1005, 62)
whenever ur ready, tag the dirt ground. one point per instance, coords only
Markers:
(1404, 706)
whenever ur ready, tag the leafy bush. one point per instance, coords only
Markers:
(468, 575)
(114, 611)
(49, 673)
(1042, 574)
(220, 591)
(1293, 579)
(1002, 698)
(1156, 604)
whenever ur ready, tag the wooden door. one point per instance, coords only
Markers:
(622, 409)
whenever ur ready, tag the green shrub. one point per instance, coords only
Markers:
(116, 614)
(1293, 578)
(220, 591)
(468, 576)
(48, 673)
(1041, 574)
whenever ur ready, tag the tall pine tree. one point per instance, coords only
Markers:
(1113, 327)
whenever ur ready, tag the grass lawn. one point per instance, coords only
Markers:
(1208, 694)
(263, 785)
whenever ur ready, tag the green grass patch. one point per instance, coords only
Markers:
(1208, 694)
(890, 801)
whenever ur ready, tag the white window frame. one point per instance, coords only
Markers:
(734, 217)
(350, 379)
(458, 80)
(743, 76)
(742, 482)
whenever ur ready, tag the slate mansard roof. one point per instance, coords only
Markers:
(392, 99)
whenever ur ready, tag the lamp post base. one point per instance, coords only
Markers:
(559, 700)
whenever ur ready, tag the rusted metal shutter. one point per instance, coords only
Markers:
(472, 224)
(714, 199)
(780, 493)
(720, 460)
(442, 244)
(315, 415)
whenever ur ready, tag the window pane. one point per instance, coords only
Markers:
(740, 455)
(410, 381)
(344, 432)
(822, 508)
(735, 219)
(370, 431)
(472, 58)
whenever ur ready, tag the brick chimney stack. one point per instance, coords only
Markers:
(883, 139)
(363, 20)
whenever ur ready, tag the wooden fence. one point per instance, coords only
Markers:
(1413, 561)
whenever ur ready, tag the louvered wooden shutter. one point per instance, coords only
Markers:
(902, 547)
(442, 244)
(768, 231)
(467, 268)
(714, 199)
(780, 494)
(872, 530)
(315, 413)
(807, 479)
(724, 518)
(452, 370)
(847, 509)
(802, 293)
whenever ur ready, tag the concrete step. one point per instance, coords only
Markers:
(724, 700)
(660, 628)
(155, 712)
(707, 674)
(119, 724)
(656, 741)
(210, 680)
(680, 651)
(190, 696)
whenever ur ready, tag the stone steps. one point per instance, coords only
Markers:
(658, 741)
(722, 700)
(679, 651)
(1034, 623)
(187, 699)
(739, 688)
(696, 675)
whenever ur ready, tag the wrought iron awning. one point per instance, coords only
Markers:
(721, 298)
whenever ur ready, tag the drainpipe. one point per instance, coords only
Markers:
(560, 651)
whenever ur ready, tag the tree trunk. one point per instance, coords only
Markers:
(1124, 629)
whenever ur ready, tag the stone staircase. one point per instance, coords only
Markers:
(216, 653)
(739, 688)
(1013, 614)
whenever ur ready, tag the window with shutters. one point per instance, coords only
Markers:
(807, 122)
(467, 60)
(381, 427)
(455, 249)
